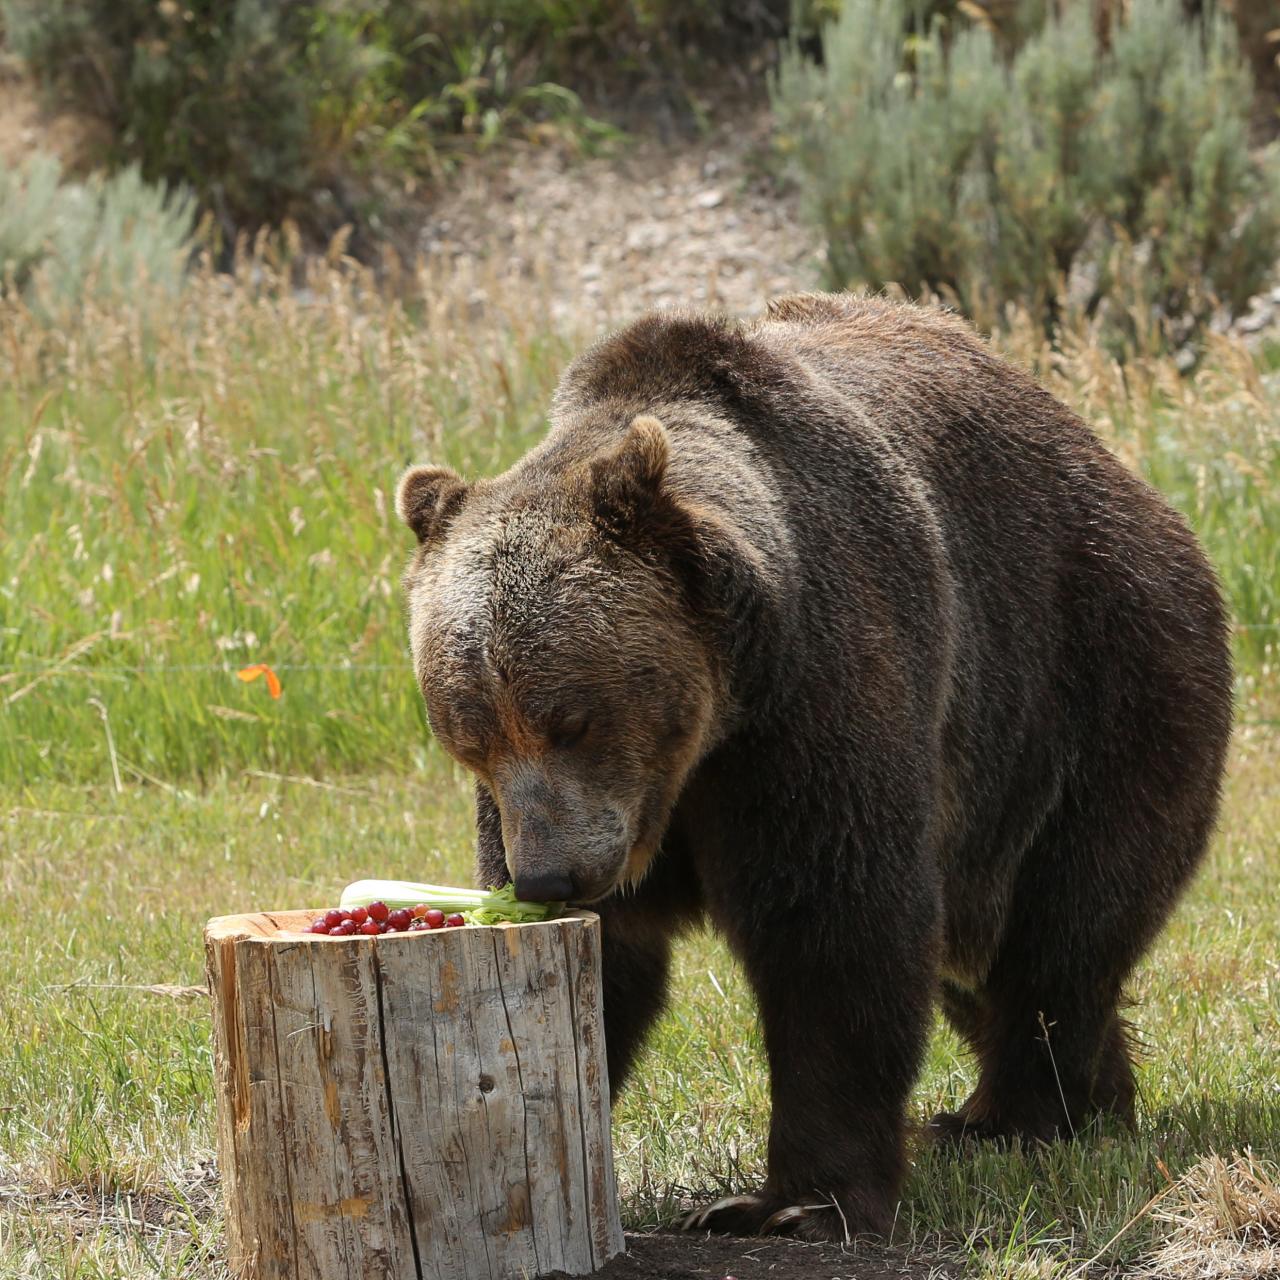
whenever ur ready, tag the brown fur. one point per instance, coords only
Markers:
(841, 633)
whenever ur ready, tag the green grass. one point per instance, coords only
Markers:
(105, 1089)
(178, 505)
(233, 468)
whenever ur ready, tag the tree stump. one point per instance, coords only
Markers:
(412, 1105)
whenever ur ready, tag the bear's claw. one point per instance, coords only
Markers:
(702, 1219)
(761, 1215)
(792, 1215)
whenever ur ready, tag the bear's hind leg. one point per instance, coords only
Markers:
(1049, 1090)
(1093, 891)
(964, 1010)
(1114, 1088)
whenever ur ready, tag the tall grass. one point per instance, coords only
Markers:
(181, 501)
(189, 490)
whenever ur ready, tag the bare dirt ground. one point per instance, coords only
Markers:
(686, 223)
(690, 1257)
(25, 127)
(695, 222)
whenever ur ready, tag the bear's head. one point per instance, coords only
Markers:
(559, 655)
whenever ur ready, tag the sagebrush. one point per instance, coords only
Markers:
(110, 236)
(1112, 179)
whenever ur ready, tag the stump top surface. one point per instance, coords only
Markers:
(294, 926)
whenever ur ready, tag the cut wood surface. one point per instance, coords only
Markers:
(431, 1104)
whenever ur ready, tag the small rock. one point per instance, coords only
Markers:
(1256, 320)
(710, 199)
(647, 236)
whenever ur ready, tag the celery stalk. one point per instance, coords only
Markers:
(477, 906)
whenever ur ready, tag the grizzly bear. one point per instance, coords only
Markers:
(838, 632)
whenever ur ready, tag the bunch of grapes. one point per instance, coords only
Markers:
(377, 917)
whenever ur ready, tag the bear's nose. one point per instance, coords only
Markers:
(544, 886)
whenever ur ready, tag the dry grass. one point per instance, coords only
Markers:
(1219, 1221)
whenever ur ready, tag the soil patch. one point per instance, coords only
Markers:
(697, 223)
(665, 1256)
(78, 141)
(693, 224)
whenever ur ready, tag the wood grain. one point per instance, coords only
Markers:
(427, 1106)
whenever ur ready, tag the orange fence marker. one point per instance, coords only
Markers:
(261, 669)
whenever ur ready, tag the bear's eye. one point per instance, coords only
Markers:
(568, 729)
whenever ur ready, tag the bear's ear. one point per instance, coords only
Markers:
(626, 480)
(427, 498)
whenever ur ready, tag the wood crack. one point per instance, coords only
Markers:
(336, 1129)
(476, 1188)
(288, 1153)
(570, 969)
(396, 1135)
(524, 1102)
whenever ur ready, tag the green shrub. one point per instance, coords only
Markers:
(318, 110)
(1115, 179)
(227, 97)
(112, 237)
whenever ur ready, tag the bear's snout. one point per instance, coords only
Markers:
(561, 843)
(540, 867)
(574, 863)
(545, 886)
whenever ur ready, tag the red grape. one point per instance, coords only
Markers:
(377, 918)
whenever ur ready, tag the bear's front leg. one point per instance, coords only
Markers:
(636, 932)
(844, 983)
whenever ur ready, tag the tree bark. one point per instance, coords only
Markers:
(412, 1106)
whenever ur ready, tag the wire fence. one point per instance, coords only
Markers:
(70, 666)
(142, 669)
